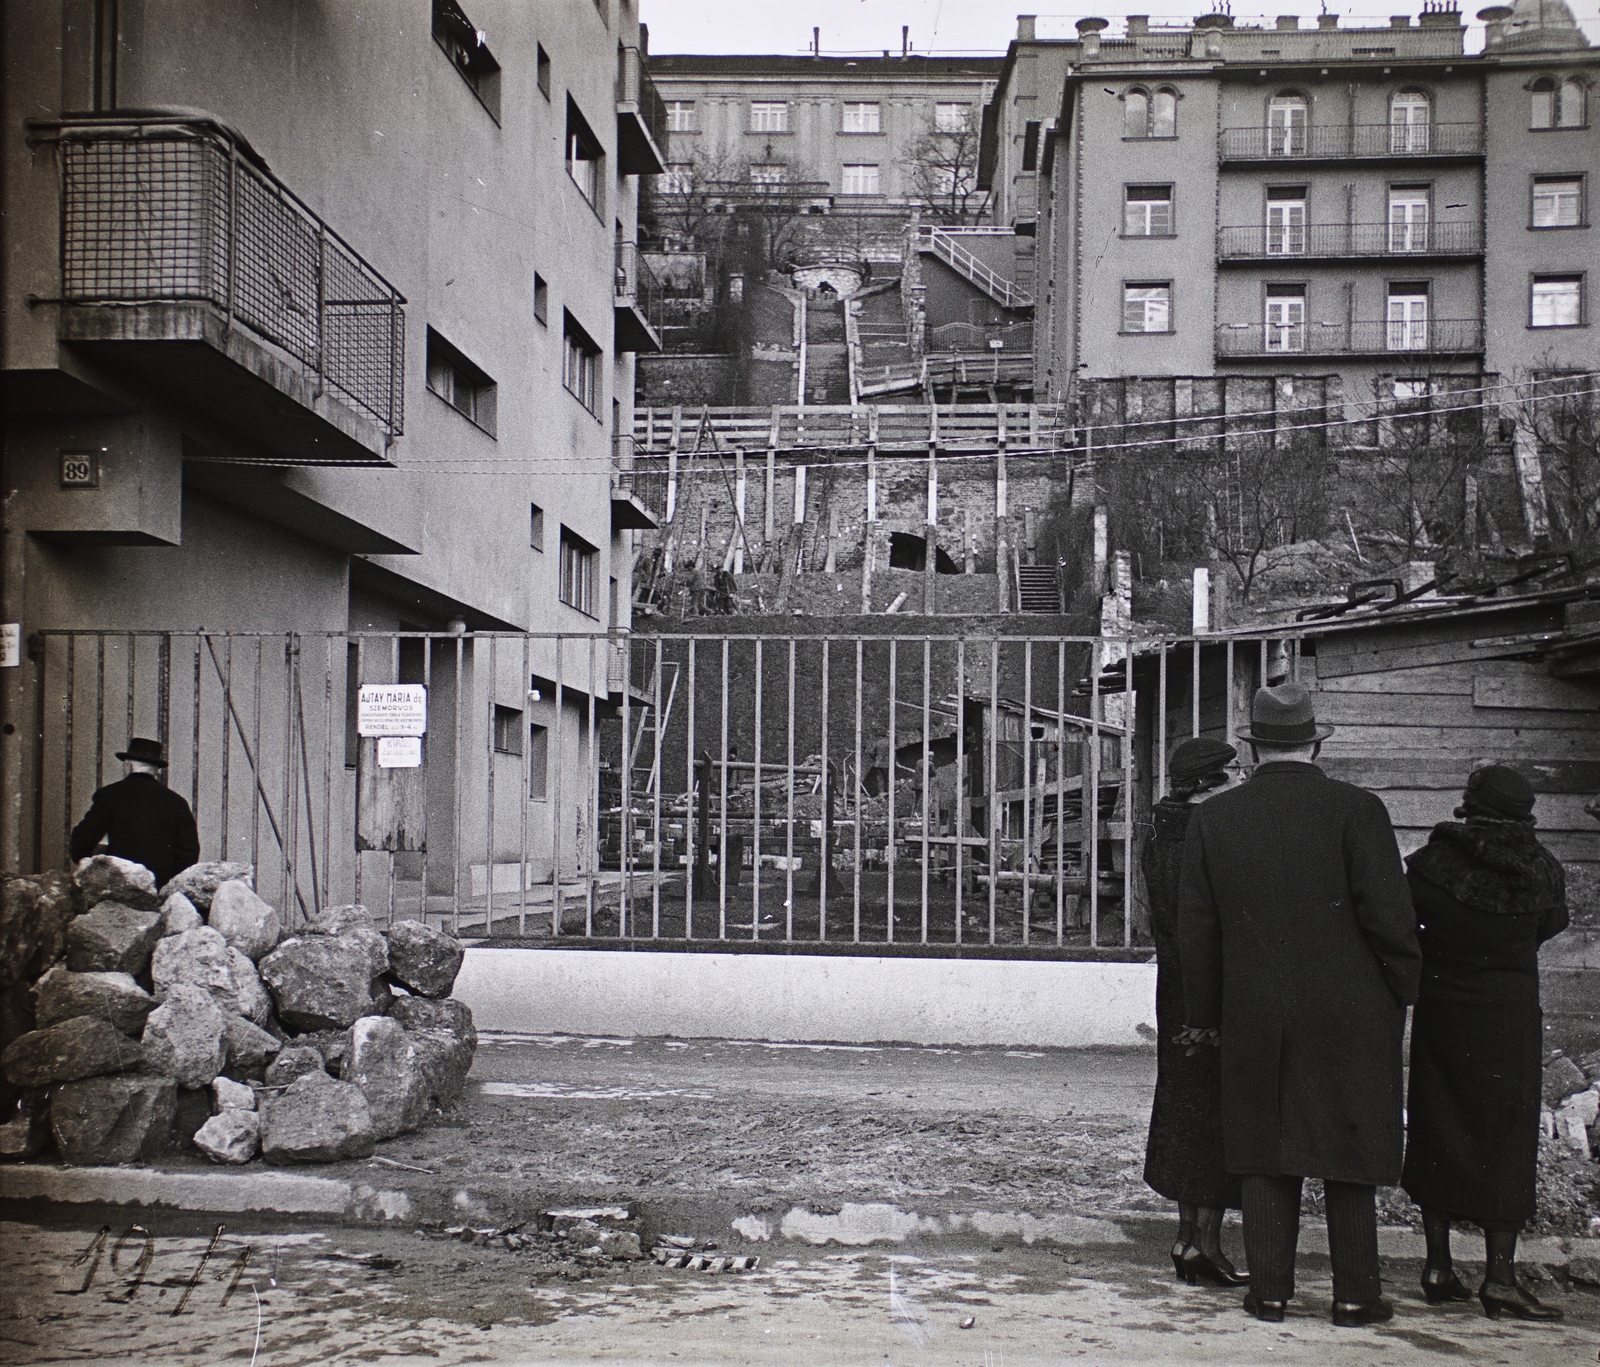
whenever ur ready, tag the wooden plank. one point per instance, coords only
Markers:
(1438, 679)
(1555, 811)
(1450, 773)
(1403, 645)
(1411, 709)
(1412, 657)
(1536, 689)
(1501, 745)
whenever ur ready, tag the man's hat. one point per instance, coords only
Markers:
(1199, 756)
(1496, 790)
(144, 750)
(1284, 715)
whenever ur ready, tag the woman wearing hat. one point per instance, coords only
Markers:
(1487, 895)
(1183, 1157)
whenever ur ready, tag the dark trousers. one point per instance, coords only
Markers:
(1272, 1231)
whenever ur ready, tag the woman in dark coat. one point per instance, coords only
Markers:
(1183, 1157)
(1487, 894)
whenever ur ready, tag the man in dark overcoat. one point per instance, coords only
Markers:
(140, 818)
(1299, 945)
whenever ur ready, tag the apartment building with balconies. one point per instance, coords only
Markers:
(1370, 204)
(321, 319)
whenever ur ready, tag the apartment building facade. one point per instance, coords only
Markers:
(319, 320)
(1370, 204)
(846, 128)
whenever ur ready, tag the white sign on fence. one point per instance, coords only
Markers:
(392, 710)
(399, 752)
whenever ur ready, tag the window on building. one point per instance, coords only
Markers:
(1557, 201)
(1556, 301)
(1164, 114)
(860, 179)
(1135, 114)
(536, 527)
(1407, 318)
(1557, 103)
(463, 43)
(1147, 211)
(952, 180)
(769, 116)
(768, 174)
(680, 116)
(1542, 98)
(1030, 145)
(507, 730)
(951, 118)
(1410, 118)
(538, 761)
(1285, 322)
(862, 117)
(1147, 307)
(1286, 125)
(580, 370)
(578, 567)
(460, 384)
(541, 69)
(541, 298)
(1408, 218)
(678, 178)
(1286, 220)
(585, 156)
(1572, 106)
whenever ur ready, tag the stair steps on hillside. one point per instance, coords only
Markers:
(1038, 588)
(946, 246)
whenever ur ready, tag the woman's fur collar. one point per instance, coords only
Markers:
(1492, 866)
(1171, 818)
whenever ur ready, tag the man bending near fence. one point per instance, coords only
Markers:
(1299, 945)
(140, 818)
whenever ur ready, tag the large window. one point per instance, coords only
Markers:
(769, 116)
(862, 118)
(580, 370)
(951, 118)
(507, 730)
(1285, 322)
(1286, 220)
(460, 383)
(1558, 103)
(1286, 125)
(1556, 301)
(1147, 307)
(678, 178)
(680, 116)
(1557, 201)
(463, 43)
(1410, 117)
(1408, 218)
(1147, 211)
(578, 569)
(585, 157)
(1407, 318)
(1150, 113)
(771, 173)
(860, 179)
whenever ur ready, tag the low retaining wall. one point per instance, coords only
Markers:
(810, 997)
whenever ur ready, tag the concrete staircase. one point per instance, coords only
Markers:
(827, 357)
(947, 247)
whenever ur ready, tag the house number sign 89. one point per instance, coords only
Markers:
(80, 469)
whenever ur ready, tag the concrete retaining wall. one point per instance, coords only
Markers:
(810, 997)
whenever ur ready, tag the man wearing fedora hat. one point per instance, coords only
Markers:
(1299, 946)
(140, 818)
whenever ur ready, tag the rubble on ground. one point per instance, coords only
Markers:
(137, 1021)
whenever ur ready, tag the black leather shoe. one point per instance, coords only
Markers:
(1353, 1314)
(1271, 1311)
(1180, 1251)
(1516, 1301)
(1198, 1266)
(1440, 1287)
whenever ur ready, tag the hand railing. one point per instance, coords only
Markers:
(1334, 141)
(1437, 336)
(1250, 242)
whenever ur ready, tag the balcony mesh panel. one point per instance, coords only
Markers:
(149, 220)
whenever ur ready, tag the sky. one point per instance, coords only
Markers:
(871, 26)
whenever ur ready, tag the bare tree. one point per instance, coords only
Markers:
(1561, 418)
(1412, 493)
(942, 168)
(682, 203)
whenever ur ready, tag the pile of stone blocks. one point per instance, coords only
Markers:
(1570, 1091)
(136, 1021)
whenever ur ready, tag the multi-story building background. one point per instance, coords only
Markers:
(320, 320)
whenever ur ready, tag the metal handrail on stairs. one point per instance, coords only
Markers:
(959, 259)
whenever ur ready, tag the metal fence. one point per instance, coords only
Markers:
(1252, 242)
(1345, 141)
(178, 211)
(1435, 336)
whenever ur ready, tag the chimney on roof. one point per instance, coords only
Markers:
(1327, 21)
(1440, 14)
(1025, 28)
(1138, 25)
(1494, 24)
(1089, 31)
(905, 41)
(1288, 23)
(1399, 21)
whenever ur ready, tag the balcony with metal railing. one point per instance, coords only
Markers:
(638, 301)
(1351, 142)
(1409, 338)
(641, 117)
(187, 262)
(1338, 241)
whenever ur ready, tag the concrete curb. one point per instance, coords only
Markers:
(851, 1224)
